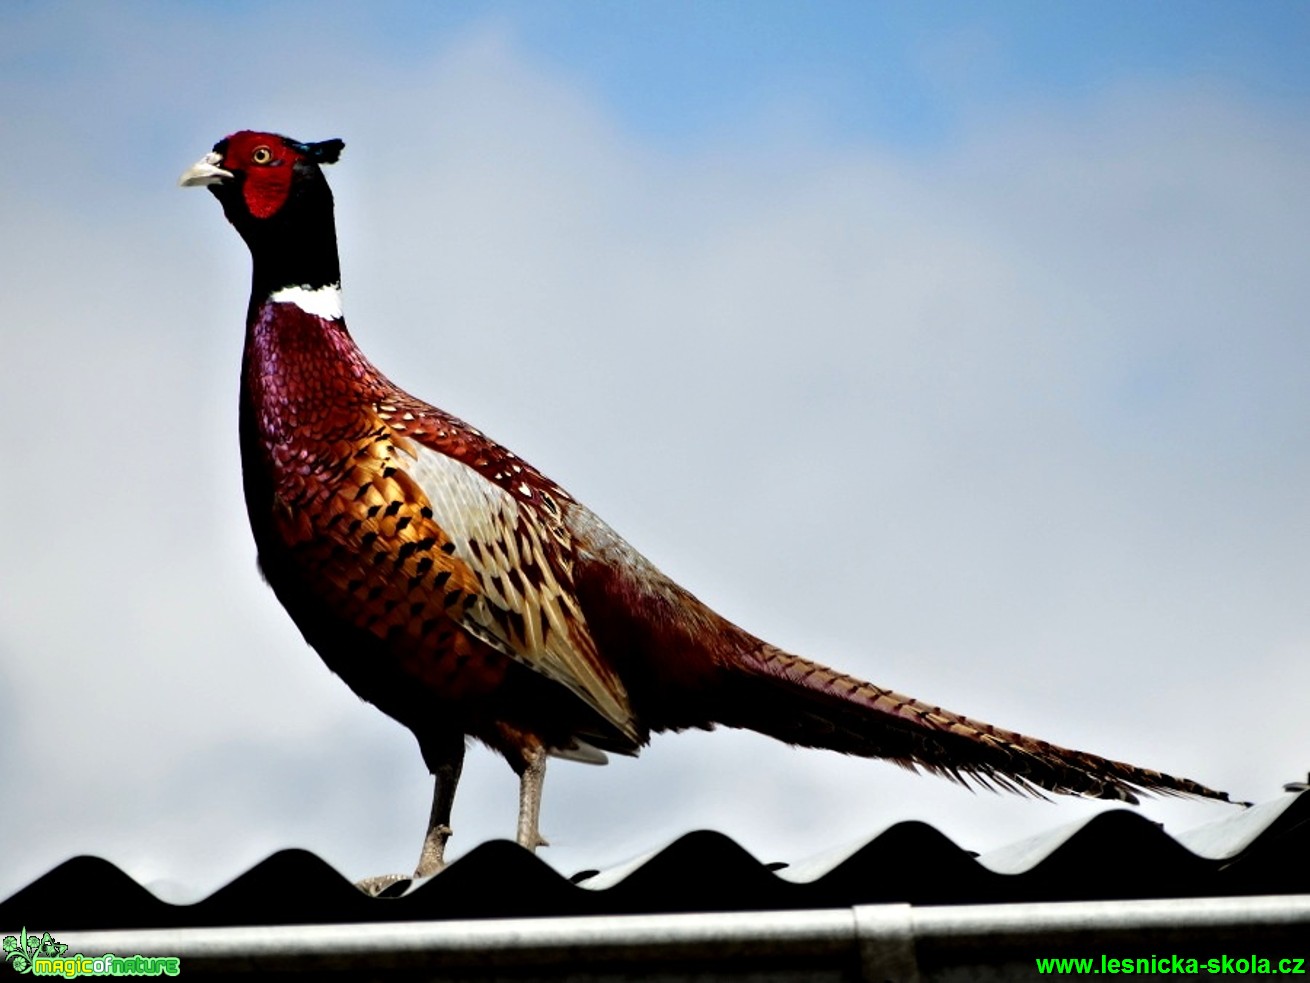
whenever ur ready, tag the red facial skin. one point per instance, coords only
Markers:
(268, 164)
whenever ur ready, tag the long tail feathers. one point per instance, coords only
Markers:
(807, 704)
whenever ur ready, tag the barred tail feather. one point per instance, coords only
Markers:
(807, 704)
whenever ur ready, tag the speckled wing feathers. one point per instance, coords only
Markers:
(525, 606)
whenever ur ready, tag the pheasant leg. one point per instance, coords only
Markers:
(445, 779)
(531, 780)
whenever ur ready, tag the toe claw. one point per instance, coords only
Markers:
(385, 885)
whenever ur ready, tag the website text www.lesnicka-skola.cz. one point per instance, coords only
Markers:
(1222, 965)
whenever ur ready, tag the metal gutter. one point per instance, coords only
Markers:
(865, 943)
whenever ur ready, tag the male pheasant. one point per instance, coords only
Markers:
(462, 592)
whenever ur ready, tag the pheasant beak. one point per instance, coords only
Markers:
(204, 172)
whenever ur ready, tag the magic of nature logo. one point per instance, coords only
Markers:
(47, 956)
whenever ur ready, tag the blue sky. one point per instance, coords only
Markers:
(960, 346)
(901, 73)
(905, 74)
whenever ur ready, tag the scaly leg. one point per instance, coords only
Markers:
(531, 780)
(445, 779)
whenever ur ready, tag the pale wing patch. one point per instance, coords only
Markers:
(524, 610)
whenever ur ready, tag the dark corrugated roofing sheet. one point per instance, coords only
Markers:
(1116, 855)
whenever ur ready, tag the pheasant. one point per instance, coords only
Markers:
(465, 594)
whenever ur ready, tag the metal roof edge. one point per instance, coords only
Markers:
(896, 941)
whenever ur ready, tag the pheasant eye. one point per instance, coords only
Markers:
(261, 155)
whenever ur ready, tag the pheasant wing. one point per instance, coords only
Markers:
(410, 542)
(522, 562)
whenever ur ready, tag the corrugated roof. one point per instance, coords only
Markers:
(1116, 855)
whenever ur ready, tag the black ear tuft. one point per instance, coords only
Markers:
(323, 152)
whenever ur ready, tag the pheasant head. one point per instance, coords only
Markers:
(273, 191)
